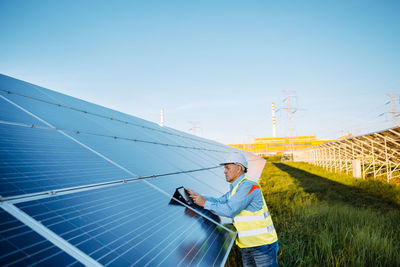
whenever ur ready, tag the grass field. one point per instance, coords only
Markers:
(328, 219)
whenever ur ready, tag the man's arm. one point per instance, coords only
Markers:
(221, 199)
(230, 207)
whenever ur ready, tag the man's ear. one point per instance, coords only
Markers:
(239, 168)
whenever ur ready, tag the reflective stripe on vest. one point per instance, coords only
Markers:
(254, 228)
(251, 218)
(258, 231)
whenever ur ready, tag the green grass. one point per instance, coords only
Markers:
(328, 219)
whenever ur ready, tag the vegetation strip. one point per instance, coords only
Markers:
(328, 219)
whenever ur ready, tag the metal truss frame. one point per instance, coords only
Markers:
(378, 155)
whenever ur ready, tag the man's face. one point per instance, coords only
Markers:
(232, 172)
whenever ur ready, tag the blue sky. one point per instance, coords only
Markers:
(220, 63)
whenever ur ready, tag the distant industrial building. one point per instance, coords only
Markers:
(279, 145)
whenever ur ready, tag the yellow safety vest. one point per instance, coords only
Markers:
(254, 228)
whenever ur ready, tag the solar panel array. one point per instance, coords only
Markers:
(81, 184)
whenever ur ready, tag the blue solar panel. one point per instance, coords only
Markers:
(98, 183)
(10, 113)
(21, 246)
(36, 160)
(132, 224)
(65, 112)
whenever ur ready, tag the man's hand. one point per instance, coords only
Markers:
(197, 198)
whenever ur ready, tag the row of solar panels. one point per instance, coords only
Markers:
(81, 184)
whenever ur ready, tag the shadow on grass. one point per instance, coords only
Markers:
(334, 192)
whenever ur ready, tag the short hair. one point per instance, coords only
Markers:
(244, 169)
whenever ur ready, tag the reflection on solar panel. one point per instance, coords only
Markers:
(81, 184)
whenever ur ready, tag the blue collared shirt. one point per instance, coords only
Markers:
(247, 197)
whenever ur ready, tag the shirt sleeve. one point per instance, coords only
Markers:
(231, 207)
(221, 199)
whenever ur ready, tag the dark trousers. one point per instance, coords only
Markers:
(265, 255)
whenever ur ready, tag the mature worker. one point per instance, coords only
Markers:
(246, 205)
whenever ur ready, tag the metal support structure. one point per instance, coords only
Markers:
(373, 158)
(387, 163)
(363, 165)
(377, 155)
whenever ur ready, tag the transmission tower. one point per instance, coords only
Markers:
(394, 112)
(290, 110)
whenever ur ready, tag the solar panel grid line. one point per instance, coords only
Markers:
(204, 183)
(49, 235)
(217, 257)
(70, 196)
(96, 221)
(33, 174)
(17, 250)
(176, 152)
(19, 124)
(48, 163)
(24, 162)
(106, 230)
(33, 163)
(106, 117)
(189, 207)
(169, 220)
(143, 214)
(17, 261)
(71, 265)
(171, 234)
(108, 136)
(207, 157)
(32, 255)
(209, 246)
(99, 154)
(171, 243)
(38, 262)
(23, 248)
(226, 256)
(51, 192)
(160, 244)
(10, 228)
(73, 139)
(229, 249)
(189, 253)
(160, 216)
(86, 211)
(26, 111)
(182, 233)
(45, 194)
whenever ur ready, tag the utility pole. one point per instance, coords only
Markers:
(273, 120)
(194, 126)
(162, 123)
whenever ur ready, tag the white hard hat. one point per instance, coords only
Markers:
(236, 158)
